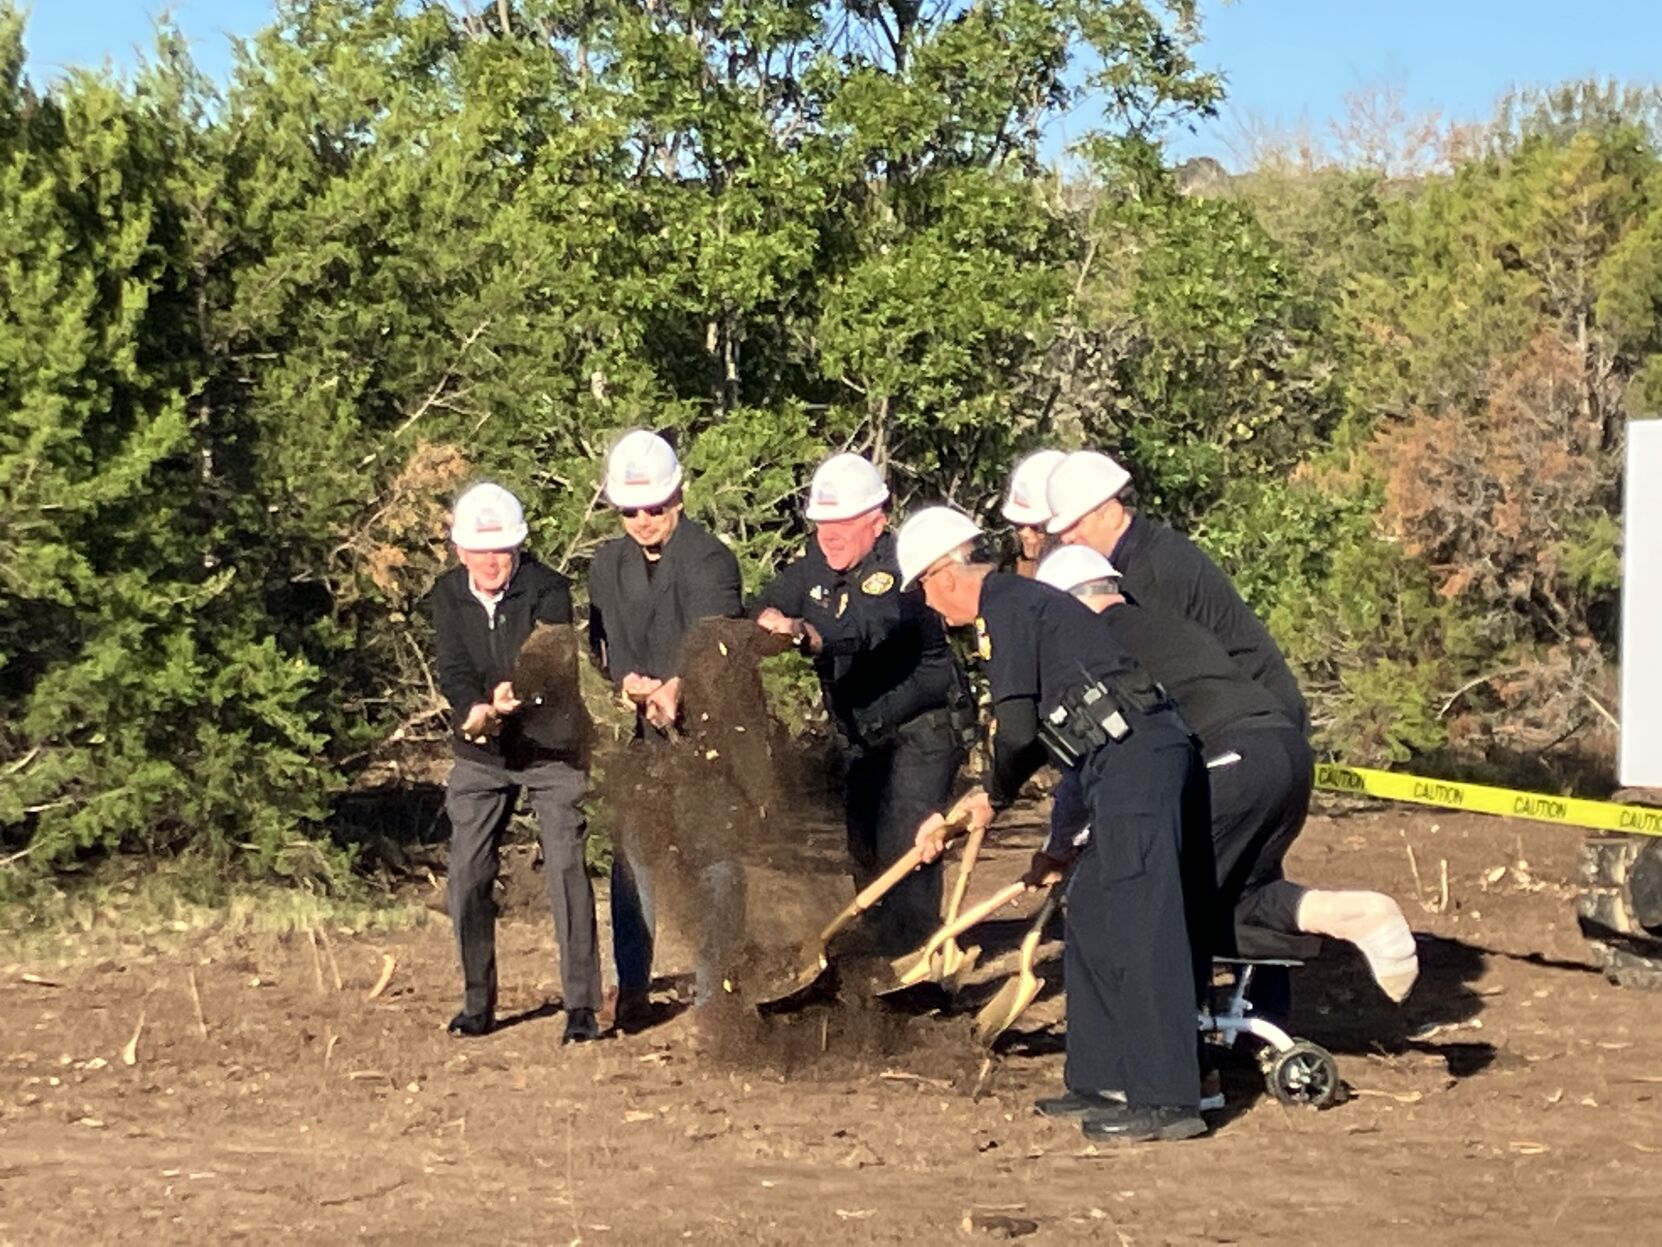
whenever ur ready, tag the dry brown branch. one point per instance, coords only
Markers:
(334, 966)
(389, 963)
(129, 1052)
(317, 957)
(196, 999)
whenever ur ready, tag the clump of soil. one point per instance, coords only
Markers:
(546, 679)
(720, 791)
(704, 794)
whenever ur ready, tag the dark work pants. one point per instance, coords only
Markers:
(1259, 804)
(720, 897)
(887, 792)
(1130, 964)
(480, 800)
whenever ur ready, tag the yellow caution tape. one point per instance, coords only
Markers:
(1359, 781)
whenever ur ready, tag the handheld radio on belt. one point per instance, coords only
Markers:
(1092, 714)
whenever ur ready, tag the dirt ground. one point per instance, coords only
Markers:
(1516, 1096)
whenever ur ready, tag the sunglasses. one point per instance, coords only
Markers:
(630, 513)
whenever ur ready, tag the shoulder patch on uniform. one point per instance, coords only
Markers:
(877, 583)
(983, 642)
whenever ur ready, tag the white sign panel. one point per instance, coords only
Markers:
(1641, 760)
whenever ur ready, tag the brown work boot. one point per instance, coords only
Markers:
(625, 1011)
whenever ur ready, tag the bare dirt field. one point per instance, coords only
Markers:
(1515, 1097)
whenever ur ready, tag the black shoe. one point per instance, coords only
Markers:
(471, 1025)
(580, 1027)
(1143, 1123)
(1075, 1104)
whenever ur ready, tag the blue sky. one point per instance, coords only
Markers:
(1288, 62)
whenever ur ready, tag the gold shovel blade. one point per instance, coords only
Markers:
(1000, 1013)
(805, 977)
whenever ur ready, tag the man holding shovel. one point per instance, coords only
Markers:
(897, 697)
(483, 612)
(1061, 683)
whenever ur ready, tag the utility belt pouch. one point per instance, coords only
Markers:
(1082, 721)
(963, 715)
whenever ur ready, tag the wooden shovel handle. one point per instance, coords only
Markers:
(974, 914)
(874, 892)
(879, 887)
(972, 850)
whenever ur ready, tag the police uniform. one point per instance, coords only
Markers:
(640, 612)
(1259, 769)
(477, 647)
(900, 704)
(1132, 959)
(1162, 569)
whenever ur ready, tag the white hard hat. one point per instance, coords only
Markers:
(641, 470)
(1026, 503)
(1068, 567)
(929, 536)
(844, 486)
(1080, 484)
(488, 517)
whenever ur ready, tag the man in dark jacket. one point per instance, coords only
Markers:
(1061, 684)
(1259, 770)
(483, 612)
(647, 589)
(1163, 569)
(896, 694)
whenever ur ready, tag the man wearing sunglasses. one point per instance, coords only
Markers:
(647, 589)
(897, 697)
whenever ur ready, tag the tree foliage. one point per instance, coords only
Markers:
(257, 336)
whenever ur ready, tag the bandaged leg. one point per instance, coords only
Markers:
(1373, 922)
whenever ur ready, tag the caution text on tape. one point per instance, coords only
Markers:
(1481, 799)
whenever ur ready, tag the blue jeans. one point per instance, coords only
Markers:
(719, 910)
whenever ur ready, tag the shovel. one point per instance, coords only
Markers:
(952, 964)
(915, 968)
(1022, 987)
(815, 960)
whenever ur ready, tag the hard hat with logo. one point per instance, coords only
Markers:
(1026, 503)
(488, 517)
(844, 486)
(641, 470)
(1068, 567)
(929, 536)
(1080, 484)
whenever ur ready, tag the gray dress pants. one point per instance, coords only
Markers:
(480, 800)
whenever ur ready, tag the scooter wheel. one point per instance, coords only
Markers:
(1305, 1076)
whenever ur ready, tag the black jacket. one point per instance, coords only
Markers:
(1163, 570)
(475, 655)
(1213, 693)
(886, 659)
(637, 621)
